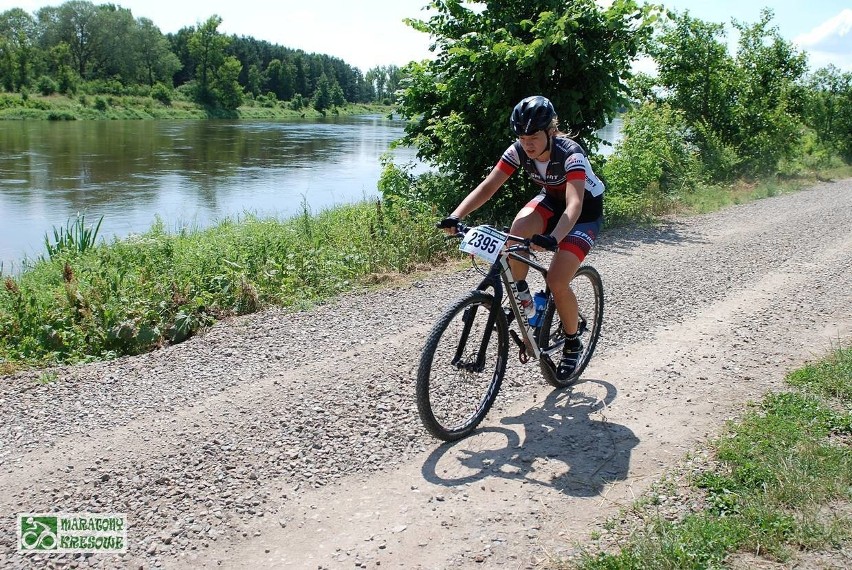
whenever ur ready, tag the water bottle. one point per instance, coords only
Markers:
(540, 300)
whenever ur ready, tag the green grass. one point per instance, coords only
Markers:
(705, 199)
(132, 295)
(130, 107)
(780, 469)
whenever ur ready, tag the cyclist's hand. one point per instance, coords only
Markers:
(545, 241)
(448, 224)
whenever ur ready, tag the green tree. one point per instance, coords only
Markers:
(322, 96)
(696, 69)
(17, 48)
(827, 104)
(767, 98)
(60, 64)
(227, 88)
(207, 49)
(73, 23)
(383, 81)
(157, 62)
(254, 84)
(281, 79)
(338, 99)
(115, 41)
(576, 53)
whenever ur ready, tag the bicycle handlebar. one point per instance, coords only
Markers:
(524, 245)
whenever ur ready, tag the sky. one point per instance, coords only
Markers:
(369, 33)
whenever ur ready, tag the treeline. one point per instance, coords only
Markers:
(79, 46)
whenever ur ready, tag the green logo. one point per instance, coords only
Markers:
(38, 532)
(62, 533)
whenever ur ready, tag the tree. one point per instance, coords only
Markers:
(207, 49)
(383, 81)
(227, 88)
(157, 62)
(695, 68)
(575, 53)
(280, 79)
(322, 96)
(254, 83)
(827, 104)
(75, 24)
(767, 98)
(17, 48)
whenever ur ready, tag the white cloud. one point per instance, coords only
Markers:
(830, 42)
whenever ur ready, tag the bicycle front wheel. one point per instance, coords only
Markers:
(462, 366)
(588, 288)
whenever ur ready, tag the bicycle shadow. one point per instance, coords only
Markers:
(558, 444)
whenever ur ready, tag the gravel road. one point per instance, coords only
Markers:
(292, 439)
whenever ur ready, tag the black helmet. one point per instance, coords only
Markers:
(531, 115)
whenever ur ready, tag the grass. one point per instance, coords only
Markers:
(129, 107)
(707, 199)
(781, 472)
(133, 295)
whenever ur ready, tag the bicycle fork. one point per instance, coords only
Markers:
(477, 365)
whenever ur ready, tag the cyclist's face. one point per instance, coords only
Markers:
(534, 144)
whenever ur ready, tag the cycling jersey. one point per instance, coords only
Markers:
(568, 162)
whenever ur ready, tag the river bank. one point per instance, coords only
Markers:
(14, 106)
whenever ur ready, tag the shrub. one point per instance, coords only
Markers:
(162, 94)
(652, 164)
(46, 85)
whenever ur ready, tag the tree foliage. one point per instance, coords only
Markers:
(750, 102)
(81, 43)
(491, 55)
(828, 100)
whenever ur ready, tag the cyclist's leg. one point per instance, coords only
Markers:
(562, 269)
(573, 249)
(532, 219)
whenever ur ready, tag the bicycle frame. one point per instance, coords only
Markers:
(507, 281)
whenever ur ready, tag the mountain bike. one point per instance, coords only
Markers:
(465, 356)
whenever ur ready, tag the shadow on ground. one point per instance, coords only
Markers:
(623, 240)
(557, 444)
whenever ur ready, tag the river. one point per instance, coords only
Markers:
(186, 173)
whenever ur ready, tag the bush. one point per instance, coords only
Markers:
(162, 94)
(298, 102)
(653, 164)
(46, 85)
(720, 161)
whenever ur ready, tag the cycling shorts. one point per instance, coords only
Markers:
(582, 236)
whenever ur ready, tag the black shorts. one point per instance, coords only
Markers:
(582, 236)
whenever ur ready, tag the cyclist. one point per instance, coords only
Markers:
(565, 217)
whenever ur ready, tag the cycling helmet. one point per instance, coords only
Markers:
(531, 115)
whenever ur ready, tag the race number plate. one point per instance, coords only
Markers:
(484, 242)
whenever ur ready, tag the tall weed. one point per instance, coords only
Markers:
(132, 295)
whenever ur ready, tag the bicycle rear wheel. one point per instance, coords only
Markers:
(462, 366)
(588, 288)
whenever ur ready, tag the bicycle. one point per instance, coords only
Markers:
(465, 355)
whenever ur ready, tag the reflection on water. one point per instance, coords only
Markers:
(185, 172)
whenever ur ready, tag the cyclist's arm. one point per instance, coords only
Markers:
(482, 193)
(574, 191)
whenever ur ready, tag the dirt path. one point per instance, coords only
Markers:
(282, 440)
